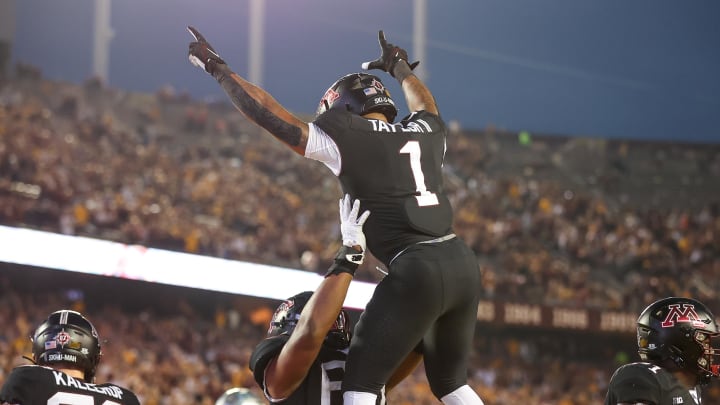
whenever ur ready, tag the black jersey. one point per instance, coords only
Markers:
(322, 385)
(38, 385)
(647, 383)
(396, 172)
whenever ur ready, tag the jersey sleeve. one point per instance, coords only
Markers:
(18, 387)
(263, 353)
(130, 398)
(322, 147)
(634, 384)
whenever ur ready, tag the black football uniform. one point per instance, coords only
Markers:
(432, 290)
(648, 384)
(396, 172)
(322, 386)
(38, 385)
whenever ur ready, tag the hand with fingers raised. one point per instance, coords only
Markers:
(391, 55)
(202, 54)
(352, 252)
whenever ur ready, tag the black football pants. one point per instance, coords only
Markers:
(431, 294)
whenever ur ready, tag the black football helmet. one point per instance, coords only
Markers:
(238, 396)
(67, 337)
(676, 333)
(287, 315)
(359, 93)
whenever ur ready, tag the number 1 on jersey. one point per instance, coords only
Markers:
(426, 198)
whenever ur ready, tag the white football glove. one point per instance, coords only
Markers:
(351, 226)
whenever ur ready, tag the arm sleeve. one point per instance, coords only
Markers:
(322, 147)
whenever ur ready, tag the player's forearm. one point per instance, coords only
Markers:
(417, 95)
(302, 348)
(260, 107)
(324, 306)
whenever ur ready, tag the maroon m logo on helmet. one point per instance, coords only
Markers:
(685, 314)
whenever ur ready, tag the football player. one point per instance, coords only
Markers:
(302, 359)
(675, 345)
(432, 290)
(66, 351)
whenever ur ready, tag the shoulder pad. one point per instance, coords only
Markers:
(263, 353)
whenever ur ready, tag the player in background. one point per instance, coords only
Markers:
(675, 343)
(238, 396)
(66, 352)
(395, 169)
(302, 359)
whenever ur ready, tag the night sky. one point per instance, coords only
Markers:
(640, 69)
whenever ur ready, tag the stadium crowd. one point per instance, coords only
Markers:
(559, 221)
(176, 346)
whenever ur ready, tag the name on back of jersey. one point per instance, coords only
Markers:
(64, 380)
(418, 126)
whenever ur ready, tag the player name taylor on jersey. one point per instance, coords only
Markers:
(412, 126)
(43, 385)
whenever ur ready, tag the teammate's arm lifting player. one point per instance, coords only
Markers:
(285, 372)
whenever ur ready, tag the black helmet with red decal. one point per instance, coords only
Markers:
(677, 333)
(359, 93)
(67, 337)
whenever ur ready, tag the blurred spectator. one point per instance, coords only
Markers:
(559, 221)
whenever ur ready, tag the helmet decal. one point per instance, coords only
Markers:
(62, 338)
(686, 314)
(370, 91)
(378, 85)
(329, 98)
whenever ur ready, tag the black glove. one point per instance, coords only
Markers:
(347, 260)
(202, 54)
(391, 55)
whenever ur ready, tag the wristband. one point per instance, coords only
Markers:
(401, 70)
(221, 71)
(347, 260)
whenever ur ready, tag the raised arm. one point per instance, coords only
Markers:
(417, 95)
(394, 60)
(252, 101)
(287, 371)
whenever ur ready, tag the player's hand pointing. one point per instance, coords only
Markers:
(202, 54)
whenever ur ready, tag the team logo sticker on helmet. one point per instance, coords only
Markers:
(329, 97)
(378, 85)
(685, 314)
(62, 338)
